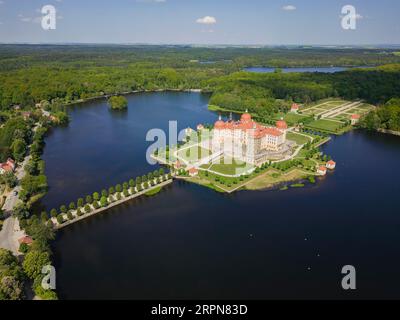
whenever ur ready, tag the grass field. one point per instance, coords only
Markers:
(272, 177)
(325, 125)
(229, 166)
(298, 138)
(194, 154)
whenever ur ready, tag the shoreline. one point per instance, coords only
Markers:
(106, 96)
(387, 131)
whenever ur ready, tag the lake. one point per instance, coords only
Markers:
(189, 242)
(305, 69)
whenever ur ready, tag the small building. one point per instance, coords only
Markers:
(331, 165)
(8, 166)
(295, 108)
(17, 107)
(178, 165)
(322, 170)
(26, 240)
(193, 172)
(355, 118)
(200, 127)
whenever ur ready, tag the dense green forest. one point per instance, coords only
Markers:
(58, 75)
(30, 74)
(386, 117)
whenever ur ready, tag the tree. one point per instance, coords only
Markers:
(104, 193)
(132, 183)
(9, 179)
(60, 219)
(96, 196)
(44, 216)
(118, 103)
(34, 262)
(118, 188)
(111, 190)
(72, 206)
(89, 199)
(70, 216)
(11, 288)
(87, 208)
(79, 212)
(53, 213)
(19, 149)
(23, 248)
(63, 209)
(104, 202)
(80, 202)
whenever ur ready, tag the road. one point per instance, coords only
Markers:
(10, 234)
(13, 198)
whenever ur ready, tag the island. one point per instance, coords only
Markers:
(118, 103)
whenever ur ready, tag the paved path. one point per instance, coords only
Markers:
(10, 234)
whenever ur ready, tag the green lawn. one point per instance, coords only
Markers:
(194, 154)
(325, 125)
(230, 166)
(298, 138)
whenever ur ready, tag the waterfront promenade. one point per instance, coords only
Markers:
(94, 211)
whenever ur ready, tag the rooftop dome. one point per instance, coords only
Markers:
(219, 125)
(246, 117)
(281, 124)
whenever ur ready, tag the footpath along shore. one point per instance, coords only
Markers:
(111, 205)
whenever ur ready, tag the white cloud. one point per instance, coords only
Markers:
(289, 7)
(207, 20)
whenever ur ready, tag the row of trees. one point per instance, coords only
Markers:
(34, 184)
(105, 197)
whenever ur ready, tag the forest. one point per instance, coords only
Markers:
(61, 75)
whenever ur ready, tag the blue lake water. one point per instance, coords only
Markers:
(190, 242)
(291, 70)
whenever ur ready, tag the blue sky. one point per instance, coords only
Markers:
(201, 21)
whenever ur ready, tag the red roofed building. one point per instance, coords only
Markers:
(193, 172)
(8, 166)
(295, 108)
(322, 170)
(331, 164)
(248, 137)
(281, 125)
(26, 240)
(355, 118)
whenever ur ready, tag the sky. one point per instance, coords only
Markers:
(236, 22)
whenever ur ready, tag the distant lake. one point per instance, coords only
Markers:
(306, 69)
(190, 242)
